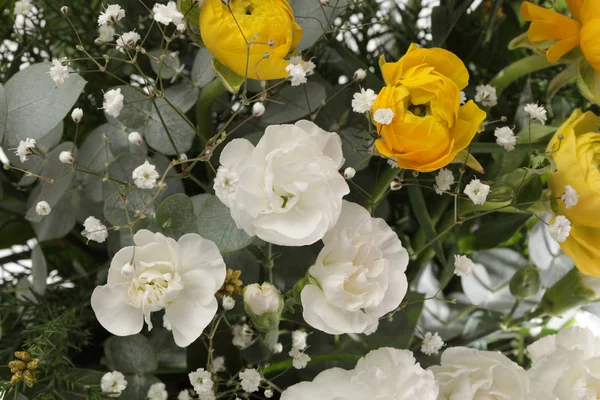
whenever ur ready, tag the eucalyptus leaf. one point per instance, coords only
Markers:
(155, 131)
(316, 18)
(214, 223)
(3, 112)
(130, 354)
(92, 157)
(39, 270)
(167, 67)
(182, 95)
(61, 181)
(118, 140)
(294, 102)
(36, 104)
(202, 70)
(356, 146)
(175, 215)
(61, 219)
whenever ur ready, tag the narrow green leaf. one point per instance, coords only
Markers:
(419, 208)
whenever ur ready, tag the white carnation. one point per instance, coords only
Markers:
(180, 277)
(385, 373)
(358, 275)
(287, 190)
(470, 374)
(565, 366)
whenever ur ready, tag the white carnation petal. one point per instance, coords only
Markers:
(329, 142)
(398, 285)
(542, 347)
(320, 314)
(195, 251)
(115, 315)
(295, 228)
(351, 217)
(189, 317)
(122, 257)
(235, 151)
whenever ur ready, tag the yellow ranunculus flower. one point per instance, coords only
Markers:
(251, 37)
(566, 34)
(430, 126)
(577, 159)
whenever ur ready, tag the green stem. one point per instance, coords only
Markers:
(517, 70)
(206, 98)
(486, 148)
(381, 188)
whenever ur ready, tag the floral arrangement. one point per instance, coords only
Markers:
(300, 199)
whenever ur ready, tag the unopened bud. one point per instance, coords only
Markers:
(395, 185)
(258, 109)
(571, 291)
(525, 283)
(263, 303)
(135, 138)
(64, 10)
(360, 75)
(77, 115)
(66, 157)
(349, 173)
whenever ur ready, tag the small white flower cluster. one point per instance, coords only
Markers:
(158, 391)
(477, 191)
(25, 149)
(383, 116)
(113, 102)
(113, 383)
(486, 95)
(506, 138)
(127, 41)
(299, 358)
(242, 336)
(463, 265)
(570, 197)
(59, 70)
(228, 303)
(560, 229)
(432, 344)
(202, 381)
(362, 102)
(167, 14)
(250, 380)
(145, 176)
(536, 112)
(298, 70)
(94, 230)
(43, 208)
(443, 181)
(113, 13)
(23, 7)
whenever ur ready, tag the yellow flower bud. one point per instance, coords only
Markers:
(29, 378)
(16, 366)
(23, 355)
(252, 38)
(16, 378)
(429, 126)
(575, 149)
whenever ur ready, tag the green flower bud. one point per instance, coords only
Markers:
(525, 283)
(264, 304)
(573, 290)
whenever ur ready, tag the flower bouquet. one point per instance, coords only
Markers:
(300, 199)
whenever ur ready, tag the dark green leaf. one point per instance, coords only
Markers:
(130, 354)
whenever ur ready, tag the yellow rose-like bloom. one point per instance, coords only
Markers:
(429, 126)
(566, 33)
(577, 158)
(251, 37)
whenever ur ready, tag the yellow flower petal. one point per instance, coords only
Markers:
(590, 43)
(583, 246)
